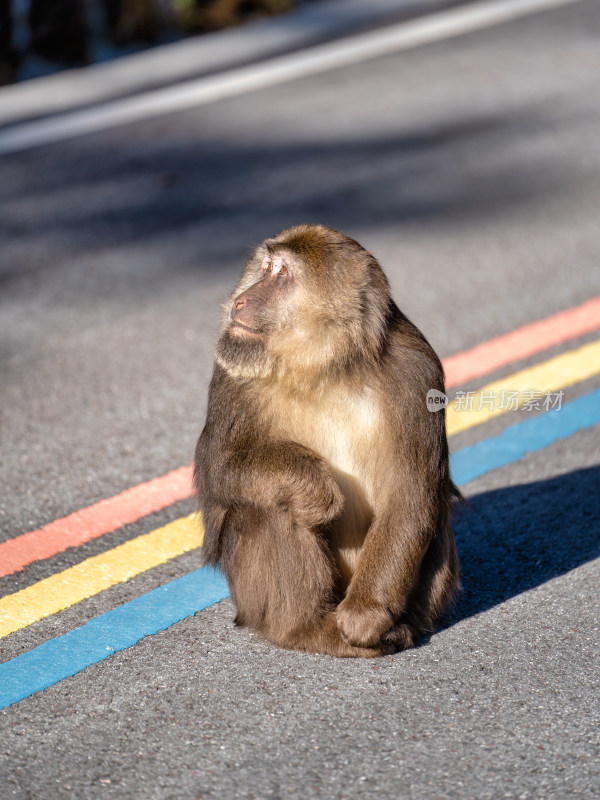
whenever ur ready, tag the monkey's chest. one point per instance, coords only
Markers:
(343, 430)
(346, 432)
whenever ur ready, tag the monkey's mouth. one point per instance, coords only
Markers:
(245, 328)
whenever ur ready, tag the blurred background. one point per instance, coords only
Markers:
(41, 36)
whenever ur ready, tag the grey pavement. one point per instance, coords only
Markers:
(472, 169)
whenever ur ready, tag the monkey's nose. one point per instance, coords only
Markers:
(239, 303)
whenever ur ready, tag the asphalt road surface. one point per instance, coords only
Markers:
(471, 168)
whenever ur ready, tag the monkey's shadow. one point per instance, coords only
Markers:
(512, 539)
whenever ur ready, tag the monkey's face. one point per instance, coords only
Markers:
(259, 312)
(308, 298)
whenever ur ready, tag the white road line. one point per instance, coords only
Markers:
(353, 50)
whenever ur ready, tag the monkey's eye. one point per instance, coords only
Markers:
(268, 267)
(283, 270)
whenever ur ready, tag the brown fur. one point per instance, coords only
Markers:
(322, 476)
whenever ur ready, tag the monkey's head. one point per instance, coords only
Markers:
(310, 299)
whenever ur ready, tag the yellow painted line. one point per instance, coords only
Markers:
(98, 573)
(552, 375)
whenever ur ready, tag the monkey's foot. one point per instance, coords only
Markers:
(363, 625)
(401, 636)
(324, 637)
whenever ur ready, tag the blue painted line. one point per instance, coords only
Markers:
(122, 627)
(115, 630)
(525, 437)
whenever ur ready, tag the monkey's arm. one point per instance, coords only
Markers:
(387, 571)
(411, 506)
(238, 462)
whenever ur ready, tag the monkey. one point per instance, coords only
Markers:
(322, 477)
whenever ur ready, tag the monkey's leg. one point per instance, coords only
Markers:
(434, 591)
(282, 580)
(438, 583)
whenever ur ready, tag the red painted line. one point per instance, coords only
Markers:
(130, 505)
(95, 520)
(522, 342)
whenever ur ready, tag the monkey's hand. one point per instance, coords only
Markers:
(313, 494)
(363, 623)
